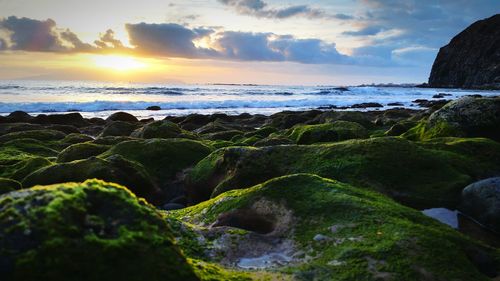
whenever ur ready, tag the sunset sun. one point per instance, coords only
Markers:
(118, 62)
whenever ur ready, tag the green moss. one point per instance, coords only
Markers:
(34, 147)
(162, 129)
(424, 131)
(88, 231)
(81, 151)
(261, 132)
(330, 132)
(41, 135)
(231, 135)
(8, 185)
(75, 138)
(162, 158)
(373, 236)
(414, 173)
(113, 169)
(118, 128)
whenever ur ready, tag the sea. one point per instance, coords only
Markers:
(98, 99)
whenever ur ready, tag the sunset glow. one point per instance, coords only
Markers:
(118, 62)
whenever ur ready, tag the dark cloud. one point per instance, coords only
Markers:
(31, 35)
(174, 40)
(261, 9)
(77, 44)
(25, 34)
(167, 39)
(108, 40)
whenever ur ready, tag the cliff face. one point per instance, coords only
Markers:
(471, 59)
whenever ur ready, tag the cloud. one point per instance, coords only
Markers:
(108, 40)
(25, 34)
(260, 9)
(395, 32)
(31, 35)
(167, 39)
(366, 31)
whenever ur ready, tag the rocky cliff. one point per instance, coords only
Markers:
(471, 59)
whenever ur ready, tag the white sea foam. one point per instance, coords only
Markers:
(99, 99)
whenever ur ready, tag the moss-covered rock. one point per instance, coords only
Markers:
(113, 169)
(164, 159)
(118, 128)
(41, 135)
(81, 151)
(414, 173)
(223, 135)
(122, 116)
(6, 128)
(319, 229)
(75, 138)
(465, 117)
(162, 129)
(86, 231)
(329, 132)
(481, 201)
(273, 140)
(8, 185)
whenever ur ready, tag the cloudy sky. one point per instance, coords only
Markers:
(340, 42)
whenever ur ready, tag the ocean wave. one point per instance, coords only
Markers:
(95, 106)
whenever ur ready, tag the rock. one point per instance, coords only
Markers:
(6, 128)
(471, 58)
(290, 217)
(118, 128)
(67, 129)
(441, 95)
(154, 108)
(390, 165)
(122, 116)
(365, 119)
(395, 104)
(164, 159)
(430, 103)
(330, 132)
(41, 135)
(75, 138)
(465, 117)
(287, 119)
(366, 105)
(71, 119)
(172, 206)
(400, 128)
(8, 185)
(270, 141)
(481, 201)
(18, 116)
(86, 231)
(97, 121)
(113, 169)
(81, 151)
(223, 135)
(162, 129)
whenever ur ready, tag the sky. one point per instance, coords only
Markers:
(335, 42)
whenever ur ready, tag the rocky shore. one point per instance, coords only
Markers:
(312, 195)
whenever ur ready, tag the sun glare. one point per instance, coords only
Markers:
(118, 63)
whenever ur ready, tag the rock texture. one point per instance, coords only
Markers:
(471, 59)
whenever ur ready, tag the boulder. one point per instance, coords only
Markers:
(315, 228)
(118, 128)
(429, 174)
(122, 116)
(86, 231)
(113, 169)
(465, 117)
(81, 151)
(8, 185)
(471, 58)
(162, 129)
(481, 201)
(330, 132)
